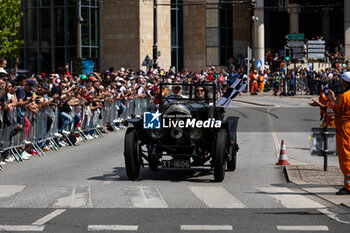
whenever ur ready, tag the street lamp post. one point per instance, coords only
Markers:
(79, 21)
(155, 37)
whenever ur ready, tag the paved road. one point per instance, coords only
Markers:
(85, 188)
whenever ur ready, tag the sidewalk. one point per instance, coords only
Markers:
(324, 184)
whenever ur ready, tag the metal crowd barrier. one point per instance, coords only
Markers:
(43, 127)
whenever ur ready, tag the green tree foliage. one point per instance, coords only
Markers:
(10, 16)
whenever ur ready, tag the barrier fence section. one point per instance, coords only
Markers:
(21, 127)
(303, 85)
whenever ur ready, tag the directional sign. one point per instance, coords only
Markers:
(316, 42)
(295, 36)
(297, 56)
(147, 61)
(295, 43)
(315, 56)
(316, 49)
(259, 64)
(316, 46)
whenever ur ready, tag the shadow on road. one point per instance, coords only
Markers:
(173, 175)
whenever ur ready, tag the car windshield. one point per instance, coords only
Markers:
(189, 92)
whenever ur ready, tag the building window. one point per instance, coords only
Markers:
(212, 32)
(226, 33)
(177, 34)
(50, 33)
(219, 32)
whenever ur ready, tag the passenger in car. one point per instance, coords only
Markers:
(176, 94)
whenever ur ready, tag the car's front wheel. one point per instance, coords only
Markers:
(131, 154)
(220, 156)
(231, 163)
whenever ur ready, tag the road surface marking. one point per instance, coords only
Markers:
(112, 228)
(291, 199)
(334, 215)
(216, 197)
(48, 217)
(302, 228)
(10, 190)
(206, 228)
(24, 228)
(79, 198)
(273, 132)
(145, 197)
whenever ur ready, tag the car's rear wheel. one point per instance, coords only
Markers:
(231, 164)
(132, 154)
(220, 156)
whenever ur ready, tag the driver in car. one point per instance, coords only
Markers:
(176, 94)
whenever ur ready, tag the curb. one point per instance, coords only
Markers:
(293, 176)
(255, 103)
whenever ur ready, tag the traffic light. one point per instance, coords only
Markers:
(155, 56)
(288, 54)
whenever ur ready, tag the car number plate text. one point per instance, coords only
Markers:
(176, 163)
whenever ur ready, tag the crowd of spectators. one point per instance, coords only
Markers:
(62, 90)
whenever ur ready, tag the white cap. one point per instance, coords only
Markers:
(346, 77)
(3, 71)
(120, 79)
(56, 82)
(122, 69)
(119, 84)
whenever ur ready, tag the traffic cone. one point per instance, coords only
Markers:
(283, 155)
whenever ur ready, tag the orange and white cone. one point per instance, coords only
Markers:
(283, 155)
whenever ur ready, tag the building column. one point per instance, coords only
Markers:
(259, 33)
(347, 28)
(326, 23)
(293, 10)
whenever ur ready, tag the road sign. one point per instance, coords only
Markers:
(316, 46)
(259, 64)
(316, 49)
(297, 56)
(309, 65)
(316, 42)
(315, 56)
(295, 36)
(147, 61)
(295, 43)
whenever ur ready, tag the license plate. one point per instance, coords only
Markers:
(176, 163)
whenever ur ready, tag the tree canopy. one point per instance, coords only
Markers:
(10, 16)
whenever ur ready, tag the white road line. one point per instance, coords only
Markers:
(302, 228)
(48, 217)
(273, 132)
(291, 199)
(333, 215)
(216, 197)
(24, 228)
(10, 190)
(112, 228)
(79, 198)
(145, 197)
(206, 228)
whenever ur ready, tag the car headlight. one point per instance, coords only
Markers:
(157, 133)
(176, 133)
(196, 133)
